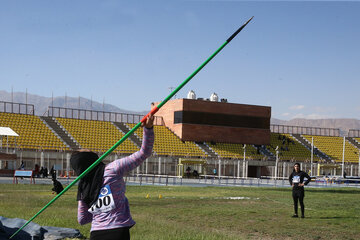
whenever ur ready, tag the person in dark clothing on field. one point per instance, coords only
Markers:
(296, 180)
(58, 187)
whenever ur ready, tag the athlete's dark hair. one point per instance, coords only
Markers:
(295, 165)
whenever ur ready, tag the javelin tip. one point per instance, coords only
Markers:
(235, 33)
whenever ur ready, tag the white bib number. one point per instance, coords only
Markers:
(296, 179)
(105, 202)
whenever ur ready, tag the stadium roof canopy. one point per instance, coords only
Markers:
(6, 131)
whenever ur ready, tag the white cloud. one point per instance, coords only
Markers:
(285, 114)
(310, 116)
(297, 107)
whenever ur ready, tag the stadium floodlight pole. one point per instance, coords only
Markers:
(343, 158)
(359, 164)
(312, 156)
(244, 160)
(143, 120)
(276, 162)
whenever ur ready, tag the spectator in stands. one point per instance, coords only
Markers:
(296, 180)
(41, 171)
(188, 172)
(45, 172)
(195, 174)
(37, 171)
(101, 193)
(22, 166)
(53, 173)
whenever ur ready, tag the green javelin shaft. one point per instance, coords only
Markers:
(153, 111)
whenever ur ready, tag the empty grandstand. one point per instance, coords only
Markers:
(235, 150)
(167, 143)
(97, 136)
(33, 133)
(333, 147)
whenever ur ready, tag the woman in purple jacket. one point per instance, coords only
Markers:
(101, 193)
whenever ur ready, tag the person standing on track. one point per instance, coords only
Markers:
(296, 180)
(101, 193)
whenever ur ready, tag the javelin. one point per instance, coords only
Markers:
(143, 120)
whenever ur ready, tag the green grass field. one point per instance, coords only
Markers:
(204, 213)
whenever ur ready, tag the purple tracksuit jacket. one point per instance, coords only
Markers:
(112, 208)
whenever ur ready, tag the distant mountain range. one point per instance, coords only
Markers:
(41, 105)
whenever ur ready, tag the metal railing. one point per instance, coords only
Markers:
(20, 108)
(354, 133)
(335, 132)
(210, 180)
(85, 114)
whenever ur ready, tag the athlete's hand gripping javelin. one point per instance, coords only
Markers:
(149, 123)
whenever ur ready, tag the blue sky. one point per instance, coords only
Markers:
(300, 58)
